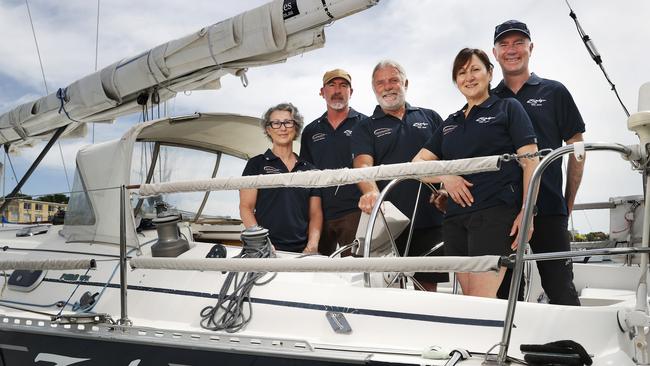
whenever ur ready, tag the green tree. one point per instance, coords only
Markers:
(56, 198)
(596, 236)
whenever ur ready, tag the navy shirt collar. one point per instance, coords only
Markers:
(488, 103)
(270, 156)
(532, 80)
(379, 113)
(351, 114)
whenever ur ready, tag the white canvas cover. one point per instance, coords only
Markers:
(381, 243)
(94, 209)
(268, 34)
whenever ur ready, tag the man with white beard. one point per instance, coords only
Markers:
(326, 143)
(394, 134)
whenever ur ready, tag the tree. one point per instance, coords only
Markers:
(22, 196)
(56, 198)
(596, 236)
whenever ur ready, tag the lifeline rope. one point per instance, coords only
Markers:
(336, 177)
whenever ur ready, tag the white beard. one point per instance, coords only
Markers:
(395, 104)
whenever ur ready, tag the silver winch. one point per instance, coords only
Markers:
(170, 243)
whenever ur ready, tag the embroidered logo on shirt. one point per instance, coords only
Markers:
(421, 125)
(535, 102)
(318, 137)
(485, 119)
(448, 129)
(382, 132)
(271, 170)
(348, 133)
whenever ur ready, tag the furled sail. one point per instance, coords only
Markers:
(268, 34)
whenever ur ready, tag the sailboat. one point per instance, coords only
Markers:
(100, 291)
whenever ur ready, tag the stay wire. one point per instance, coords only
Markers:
(47, 91)
(593, 52)
(65, 170)
(38, 51)
(96, 57)
(11, 164)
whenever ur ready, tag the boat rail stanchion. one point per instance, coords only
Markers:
(641, 306)
(124, 319)
(371, 225)
(527, 219)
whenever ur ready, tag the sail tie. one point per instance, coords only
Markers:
(62, 96)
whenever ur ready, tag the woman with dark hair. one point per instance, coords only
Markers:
(484, 212)
(293, 216)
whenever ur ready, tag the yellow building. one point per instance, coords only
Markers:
(22, 210)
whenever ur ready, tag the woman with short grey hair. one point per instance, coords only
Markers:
(293, 216)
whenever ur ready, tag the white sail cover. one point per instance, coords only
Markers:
(268, 34)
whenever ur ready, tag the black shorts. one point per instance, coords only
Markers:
(421, 243)
(482, 232)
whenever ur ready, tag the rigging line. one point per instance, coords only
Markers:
(97, 37)
(96, 57)
(72, 294)
(65, 170)
(593, 52)
(38, 51)
(4, 176)
(27, 310)
(40, 61)
(12, 166)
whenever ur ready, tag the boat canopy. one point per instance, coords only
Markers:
(94, 209)
(268, 34)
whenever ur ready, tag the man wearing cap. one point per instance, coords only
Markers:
(394, 134)
(326, 144)
(556, 119)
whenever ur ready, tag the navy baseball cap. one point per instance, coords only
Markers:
(510, 26)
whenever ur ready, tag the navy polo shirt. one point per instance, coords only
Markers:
(556, 119)
(390, 140)
(495, 127)
(284, 211)
(329, 148)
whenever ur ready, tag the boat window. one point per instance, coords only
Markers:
(80, 211)
(181, 164)
(225, 204)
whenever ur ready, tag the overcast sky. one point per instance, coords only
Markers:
(423, 36)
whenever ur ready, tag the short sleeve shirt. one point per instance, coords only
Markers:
(555, 118)
(329, 148)
(390, 140)
(495, 127)
(283, 211)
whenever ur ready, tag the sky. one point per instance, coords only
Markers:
(422, 35)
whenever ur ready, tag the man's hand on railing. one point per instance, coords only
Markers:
(367, 201)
